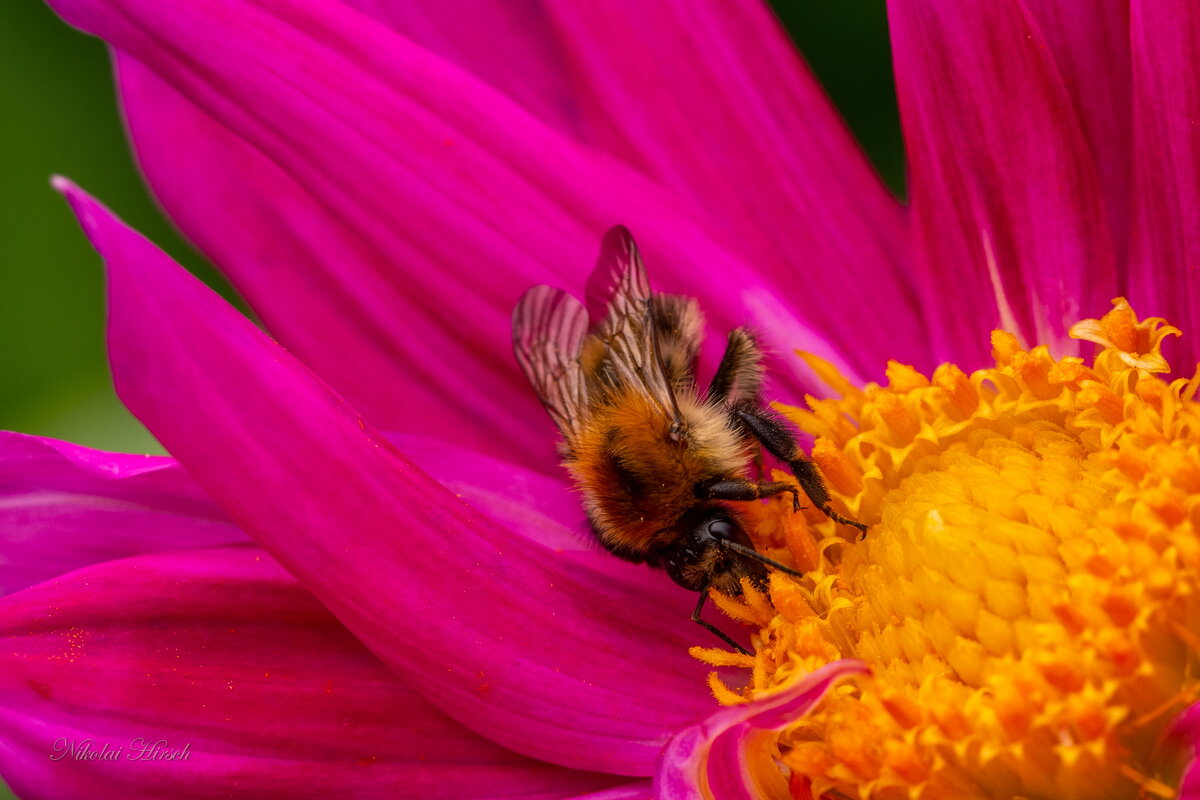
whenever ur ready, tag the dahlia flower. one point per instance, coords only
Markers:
(361, 572)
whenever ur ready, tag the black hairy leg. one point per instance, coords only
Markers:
(743, 489)
(780, 442)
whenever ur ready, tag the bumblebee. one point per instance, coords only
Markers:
(660, 464)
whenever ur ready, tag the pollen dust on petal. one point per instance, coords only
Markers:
(1028, 595)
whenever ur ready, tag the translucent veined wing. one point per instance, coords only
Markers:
(618, 285)
(549, 328)
(643, 340)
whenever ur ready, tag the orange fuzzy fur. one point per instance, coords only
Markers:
(637, 479)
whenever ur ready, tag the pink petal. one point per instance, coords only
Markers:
(1008, 205)
(534, 648)
(423, 198)
(527, 502)
(1185, 734)
(63, 506)
(223, 652)
(381, 325)
(637, 790)
(710, 759)
(711, 99)
(546, 510)
(1165, 270)
(511, 46)
(1089, 40)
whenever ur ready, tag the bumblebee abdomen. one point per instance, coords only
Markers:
(638, 469)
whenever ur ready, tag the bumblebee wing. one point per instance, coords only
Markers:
(549, 327)
(642, 340)
(618, 285)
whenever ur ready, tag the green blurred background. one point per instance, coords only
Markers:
(60, 116)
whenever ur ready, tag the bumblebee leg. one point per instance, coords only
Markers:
(742, 489)
(779, 442)
(713, 628)
(739, 376)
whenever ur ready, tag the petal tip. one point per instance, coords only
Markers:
(63, 184)
(85, 207)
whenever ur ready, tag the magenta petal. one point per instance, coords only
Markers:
(222, 652)
(524, 644)
(527, 502)
(1164, 275)
(713, 100)
(382, 330)
(713, 753)
(428, 203)
(1089, 40)
(1008, 205)
(1185, 732)
(534, 506)
(511, 46)
(636, 790)
(63, 506)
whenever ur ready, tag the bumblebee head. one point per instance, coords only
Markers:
(711, 552)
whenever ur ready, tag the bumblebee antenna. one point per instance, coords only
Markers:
(750, 552)
(713, 628)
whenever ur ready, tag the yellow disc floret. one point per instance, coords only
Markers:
(1028, 596)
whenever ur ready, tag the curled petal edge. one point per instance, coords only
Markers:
(715, 757)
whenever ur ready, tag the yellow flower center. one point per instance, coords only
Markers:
(1027, 596)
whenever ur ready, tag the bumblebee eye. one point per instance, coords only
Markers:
(723, 529)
